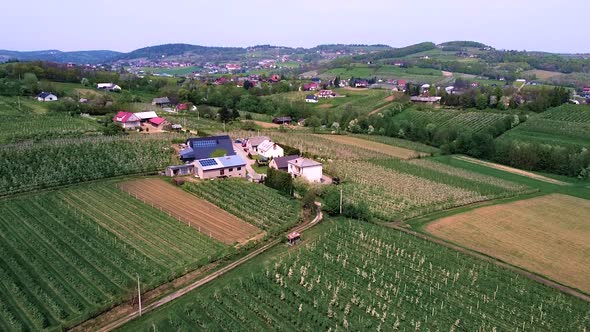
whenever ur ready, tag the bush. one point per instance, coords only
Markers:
(279, 180)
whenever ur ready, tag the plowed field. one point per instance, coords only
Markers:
(202, 215)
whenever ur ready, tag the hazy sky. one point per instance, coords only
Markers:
(125, 25)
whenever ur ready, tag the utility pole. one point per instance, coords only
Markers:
(139, 295)
(18, 98)
(340, 201)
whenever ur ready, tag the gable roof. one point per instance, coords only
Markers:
(256, 140)
(157, 120)
(208, 164)
(266, 145)
(282, 162)
(304, 162)
(45, 95)
(203, 147)
(311, 97)
(125, 117)
(146, 115)
(162, 100)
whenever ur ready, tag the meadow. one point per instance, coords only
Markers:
(414, 74)
(71, 254)
(356, 276)
(535, 234)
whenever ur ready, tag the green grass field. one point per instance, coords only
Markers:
(257, 204)
(414, 74)
(348, 275)
(71, 254)
(472, 121)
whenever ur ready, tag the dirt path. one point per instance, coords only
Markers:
(524, 273)
(513, 170)
(122, 314)
(388, 99)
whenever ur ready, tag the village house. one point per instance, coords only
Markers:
(204, 147)
(127, 120)
(270, 149)
(46, 96)
(158, 122)
(108, 86)
(282, 163)
(310, 170)
(310, 86)
(162, 101)
(361, 83)
(326, 94)
(227, 166)
(233, 67)
(282, 120)
(311, 99)
(253, 142)
(146, 116)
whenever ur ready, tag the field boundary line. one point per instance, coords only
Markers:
(208, 278)
(533, 276)
(512, 170)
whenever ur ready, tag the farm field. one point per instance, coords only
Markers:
(413, 74)
(31, 166)
(567, 126)
(472, 121)
(71, 254)
(402, 143)
(257, 204)
(547, 235)
(389, 150)
(356, 276)
(397, 190)
(200, 214)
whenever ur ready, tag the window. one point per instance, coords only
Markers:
(239, 168)
(231, 169)
(221, 172)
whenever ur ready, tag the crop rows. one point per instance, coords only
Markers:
(18, 128)
(552, 132)
(69, 255)
(568, 112)
(471, 121)
(25, 167)
(259, 205)
(392, 194)
(358, 277)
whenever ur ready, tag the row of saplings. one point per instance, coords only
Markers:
(328, 195)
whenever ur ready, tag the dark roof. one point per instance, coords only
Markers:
(282, 162)
(162, 100)
(203, 147)
(311, 97)
(44, 94)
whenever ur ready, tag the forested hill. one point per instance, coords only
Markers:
(81, 57)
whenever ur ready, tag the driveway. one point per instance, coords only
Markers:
(240, 152)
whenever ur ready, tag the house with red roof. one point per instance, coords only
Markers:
(310, 87)
(158, 122)
(127, 120)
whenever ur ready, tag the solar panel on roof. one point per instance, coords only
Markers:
(208, 162)
(204, 144)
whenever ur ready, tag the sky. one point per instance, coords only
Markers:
(125, 25)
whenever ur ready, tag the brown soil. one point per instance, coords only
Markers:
(200, 214)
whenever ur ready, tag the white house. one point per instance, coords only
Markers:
(127, 120)
(46, 96)
(310, 170)
(311, 99)
(253, 142)
(108, 86)
(270, 149)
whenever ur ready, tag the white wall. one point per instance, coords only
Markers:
(274, 152)
(311, 174)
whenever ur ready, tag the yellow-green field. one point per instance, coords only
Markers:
(548, 235)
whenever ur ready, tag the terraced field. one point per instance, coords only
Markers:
(356, 276)
(71, 254)
(201, 215)
(273, 211)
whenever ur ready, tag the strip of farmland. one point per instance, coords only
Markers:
(202, 215)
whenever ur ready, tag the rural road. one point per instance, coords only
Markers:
(171, 297)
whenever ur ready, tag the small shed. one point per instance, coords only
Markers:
(293, 238)
(180, 170)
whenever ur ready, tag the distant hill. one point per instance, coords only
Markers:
(396, 52)
(463, 43)
(80, 57)
(170, 50)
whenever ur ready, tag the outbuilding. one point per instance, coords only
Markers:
(46, 96)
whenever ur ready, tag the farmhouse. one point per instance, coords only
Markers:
(282, 120)
(270, 149)
(326, 94)
(311, 99)
(158, 122)
(228, 166)
(253, 142)
(108, 86)
(162, 101)
(127, 120)
(146, 116)
(282, 163)
(310, 170)
(205, 147)
(46, 96)
(310, 87)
